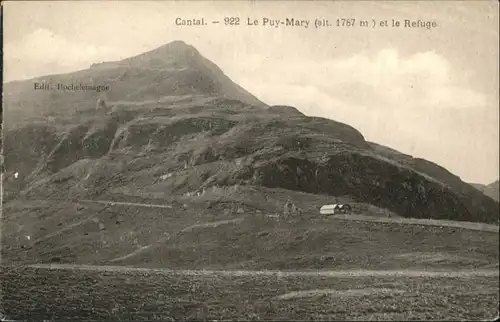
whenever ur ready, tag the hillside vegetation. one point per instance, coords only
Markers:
(174, 125)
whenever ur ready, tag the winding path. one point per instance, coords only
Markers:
(342, 273)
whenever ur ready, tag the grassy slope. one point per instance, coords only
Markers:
(234, 233)
(43, 294)
(303, 154)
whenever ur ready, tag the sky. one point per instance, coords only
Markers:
(431, 93)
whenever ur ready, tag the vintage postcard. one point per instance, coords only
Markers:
(250, 160)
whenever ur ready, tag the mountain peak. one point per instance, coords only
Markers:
(173, 69)
(178, 47)
(180, 44)
(176, 51)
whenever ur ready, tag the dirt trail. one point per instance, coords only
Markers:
(106, 202)
(343, 273)
(132, 204)
(213, 224)
(422, 222)
(164, 239)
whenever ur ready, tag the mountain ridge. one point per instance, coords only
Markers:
(198, 149)
(491, 190)
(116, 119)
(184, 72)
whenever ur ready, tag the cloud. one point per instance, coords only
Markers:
(24, 57)
(370, 92)
(423, 80)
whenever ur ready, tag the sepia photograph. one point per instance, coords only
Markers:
(250, 160)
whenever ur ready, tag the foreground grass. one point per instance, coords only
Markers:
(36, 293)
